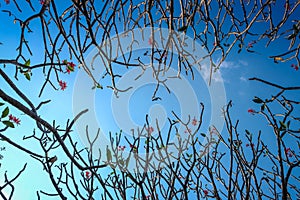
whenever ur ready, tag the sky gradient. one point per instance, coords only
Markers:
(233, 75)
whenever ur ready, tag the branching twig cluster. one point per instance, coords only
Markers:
(219, 27)
(174, 164)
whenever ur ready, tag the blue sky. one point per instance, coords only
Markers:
(234, 74)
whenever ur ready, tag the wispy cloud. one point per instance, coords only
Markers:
(243, 79)
(218, 76)
(242, 62)
(233, 64)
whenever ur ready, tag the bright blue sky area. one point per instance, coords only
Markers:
(235, 72)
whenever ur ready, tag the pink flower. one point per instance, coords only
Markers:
(42, 2)
(188, 131)
(251, 111)
(87, 175)
(14, 119)
(205, 192)
(150, 41)
(287, 150)
(134, 148)
(251, 144)
(121, 148)
(296, 67)
(63, 85)
(71, 64)
(10, 117)
(150, 130)
(250, 44)
(7, 1)
(213, 131)
(194, 122)
(17, 120)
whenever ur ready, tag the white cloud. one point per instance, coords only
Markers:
(232, 65)
(228, 65)
(242, 62)
(217, 76)
(244, 79)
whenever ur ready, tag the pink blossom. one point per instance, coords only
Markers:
(150, 41)
(205, 192)
(63, 85)
(14, 119)
(87, 174)
(150, 130)
(194, 122)
(17, 120)
(251, 144)
(121, 148)
(70, 66)
(251, 111)
(296, 67)
(133, 147)
(250, 44)
(10, 117)
(68, 71)
(213, 131)
(188, 131)
(288, 152)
